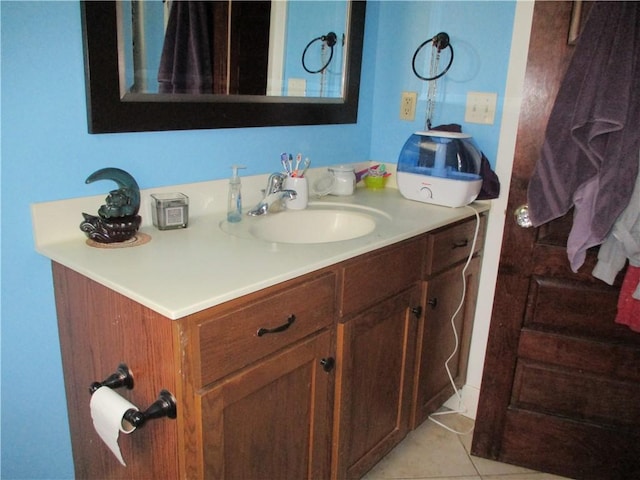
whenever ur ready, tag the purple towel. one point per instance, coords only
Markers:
(186, 61)
(589, 156)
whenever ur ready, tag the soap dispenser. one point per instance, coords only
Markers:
(234, 201)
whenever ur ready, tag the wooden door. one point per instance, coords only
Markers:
(272, 421)
(561, 385)
(240, 47)
(375, 357)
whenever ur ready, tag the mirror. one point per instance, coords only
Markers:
(119, 98)
(238, 47)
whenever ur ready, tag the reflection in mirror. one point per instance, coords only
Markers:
(236, 47)
(120, 98)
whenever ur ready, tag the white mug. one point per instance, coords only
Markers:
(301, 187)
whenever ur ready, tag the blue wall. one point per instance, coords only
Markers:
(47, 154)
(480, 33)
(306, 21)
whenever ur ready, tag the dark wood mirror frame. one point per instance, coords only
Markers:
(109, 111)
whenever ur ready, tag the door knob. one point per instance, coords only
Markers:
(522, 216)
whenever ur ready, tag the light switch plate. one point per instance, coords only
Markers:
(481, 107)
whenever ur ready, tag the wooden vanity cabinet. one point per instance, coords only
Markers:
(448, 250)
(379, 309)
(318, 377)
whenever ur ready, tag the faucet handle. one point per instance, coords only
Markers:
(275, 183)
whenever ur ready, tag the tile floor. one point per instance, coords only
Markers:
(431, 452)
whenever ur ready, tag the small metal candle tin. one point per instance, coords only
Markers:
(170, 210)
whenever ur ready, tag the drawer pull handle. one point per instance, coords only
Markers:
(433, 302)
(263, 331)
(460, 244)
(417, 311)
(327, 364)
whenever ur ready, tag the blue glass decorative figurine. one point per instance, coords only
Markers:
(118, 219)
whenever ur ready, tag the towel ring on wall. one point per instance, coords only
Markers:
(330, 39)
(440, 41)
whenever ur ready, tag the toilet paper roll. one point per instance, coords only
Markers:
(107, 411)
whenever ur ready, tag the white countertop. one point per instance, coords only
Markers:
(180, 272)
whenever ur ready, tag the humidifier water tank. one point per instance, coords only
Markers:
(442, 168)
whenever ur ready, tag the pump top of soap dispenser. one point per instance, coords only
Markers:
(235, 178)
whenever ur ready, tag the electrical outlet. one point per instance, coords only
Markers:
(408, 105)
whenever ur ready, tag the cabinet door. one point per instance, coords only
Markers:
(272, 420)
(375, 366)
(437, 340)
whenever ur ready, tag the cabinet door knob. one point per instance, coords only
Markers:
(263, 331)
(417, 311)
(433, 302)
(328, 364)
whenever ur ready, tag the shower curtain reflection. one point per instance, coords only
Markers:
(186, 65)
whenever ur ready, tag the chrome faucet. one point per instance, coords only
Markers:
(273, 193)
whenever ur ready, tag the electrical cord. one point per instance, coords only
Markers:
(461, 407)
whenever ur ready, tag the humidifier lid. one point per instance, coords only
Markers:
(441, 154)
(442, 134)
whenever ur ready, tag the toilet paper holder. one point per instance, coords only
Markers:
(164, 406)
(122, 377)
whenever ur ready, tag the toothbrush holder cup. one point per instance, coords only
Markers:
(301, 187)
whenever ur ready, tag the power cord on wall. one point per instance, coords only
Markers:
(461, 407)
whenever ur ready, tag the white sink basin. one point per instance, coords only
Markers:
(313, 226)
(320, 223)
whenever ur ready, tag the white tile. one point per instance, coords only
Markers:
(432, 452)
(524, 476)
(428, 452)
(488, 468)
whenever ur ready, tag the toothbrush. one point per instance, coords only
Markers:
(298, 160)
(285, 165)
(290, 164)
(307, 162)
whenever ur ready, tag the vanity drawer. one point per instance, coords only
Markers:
(234, 340)
(451, 245)
(373, 277)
